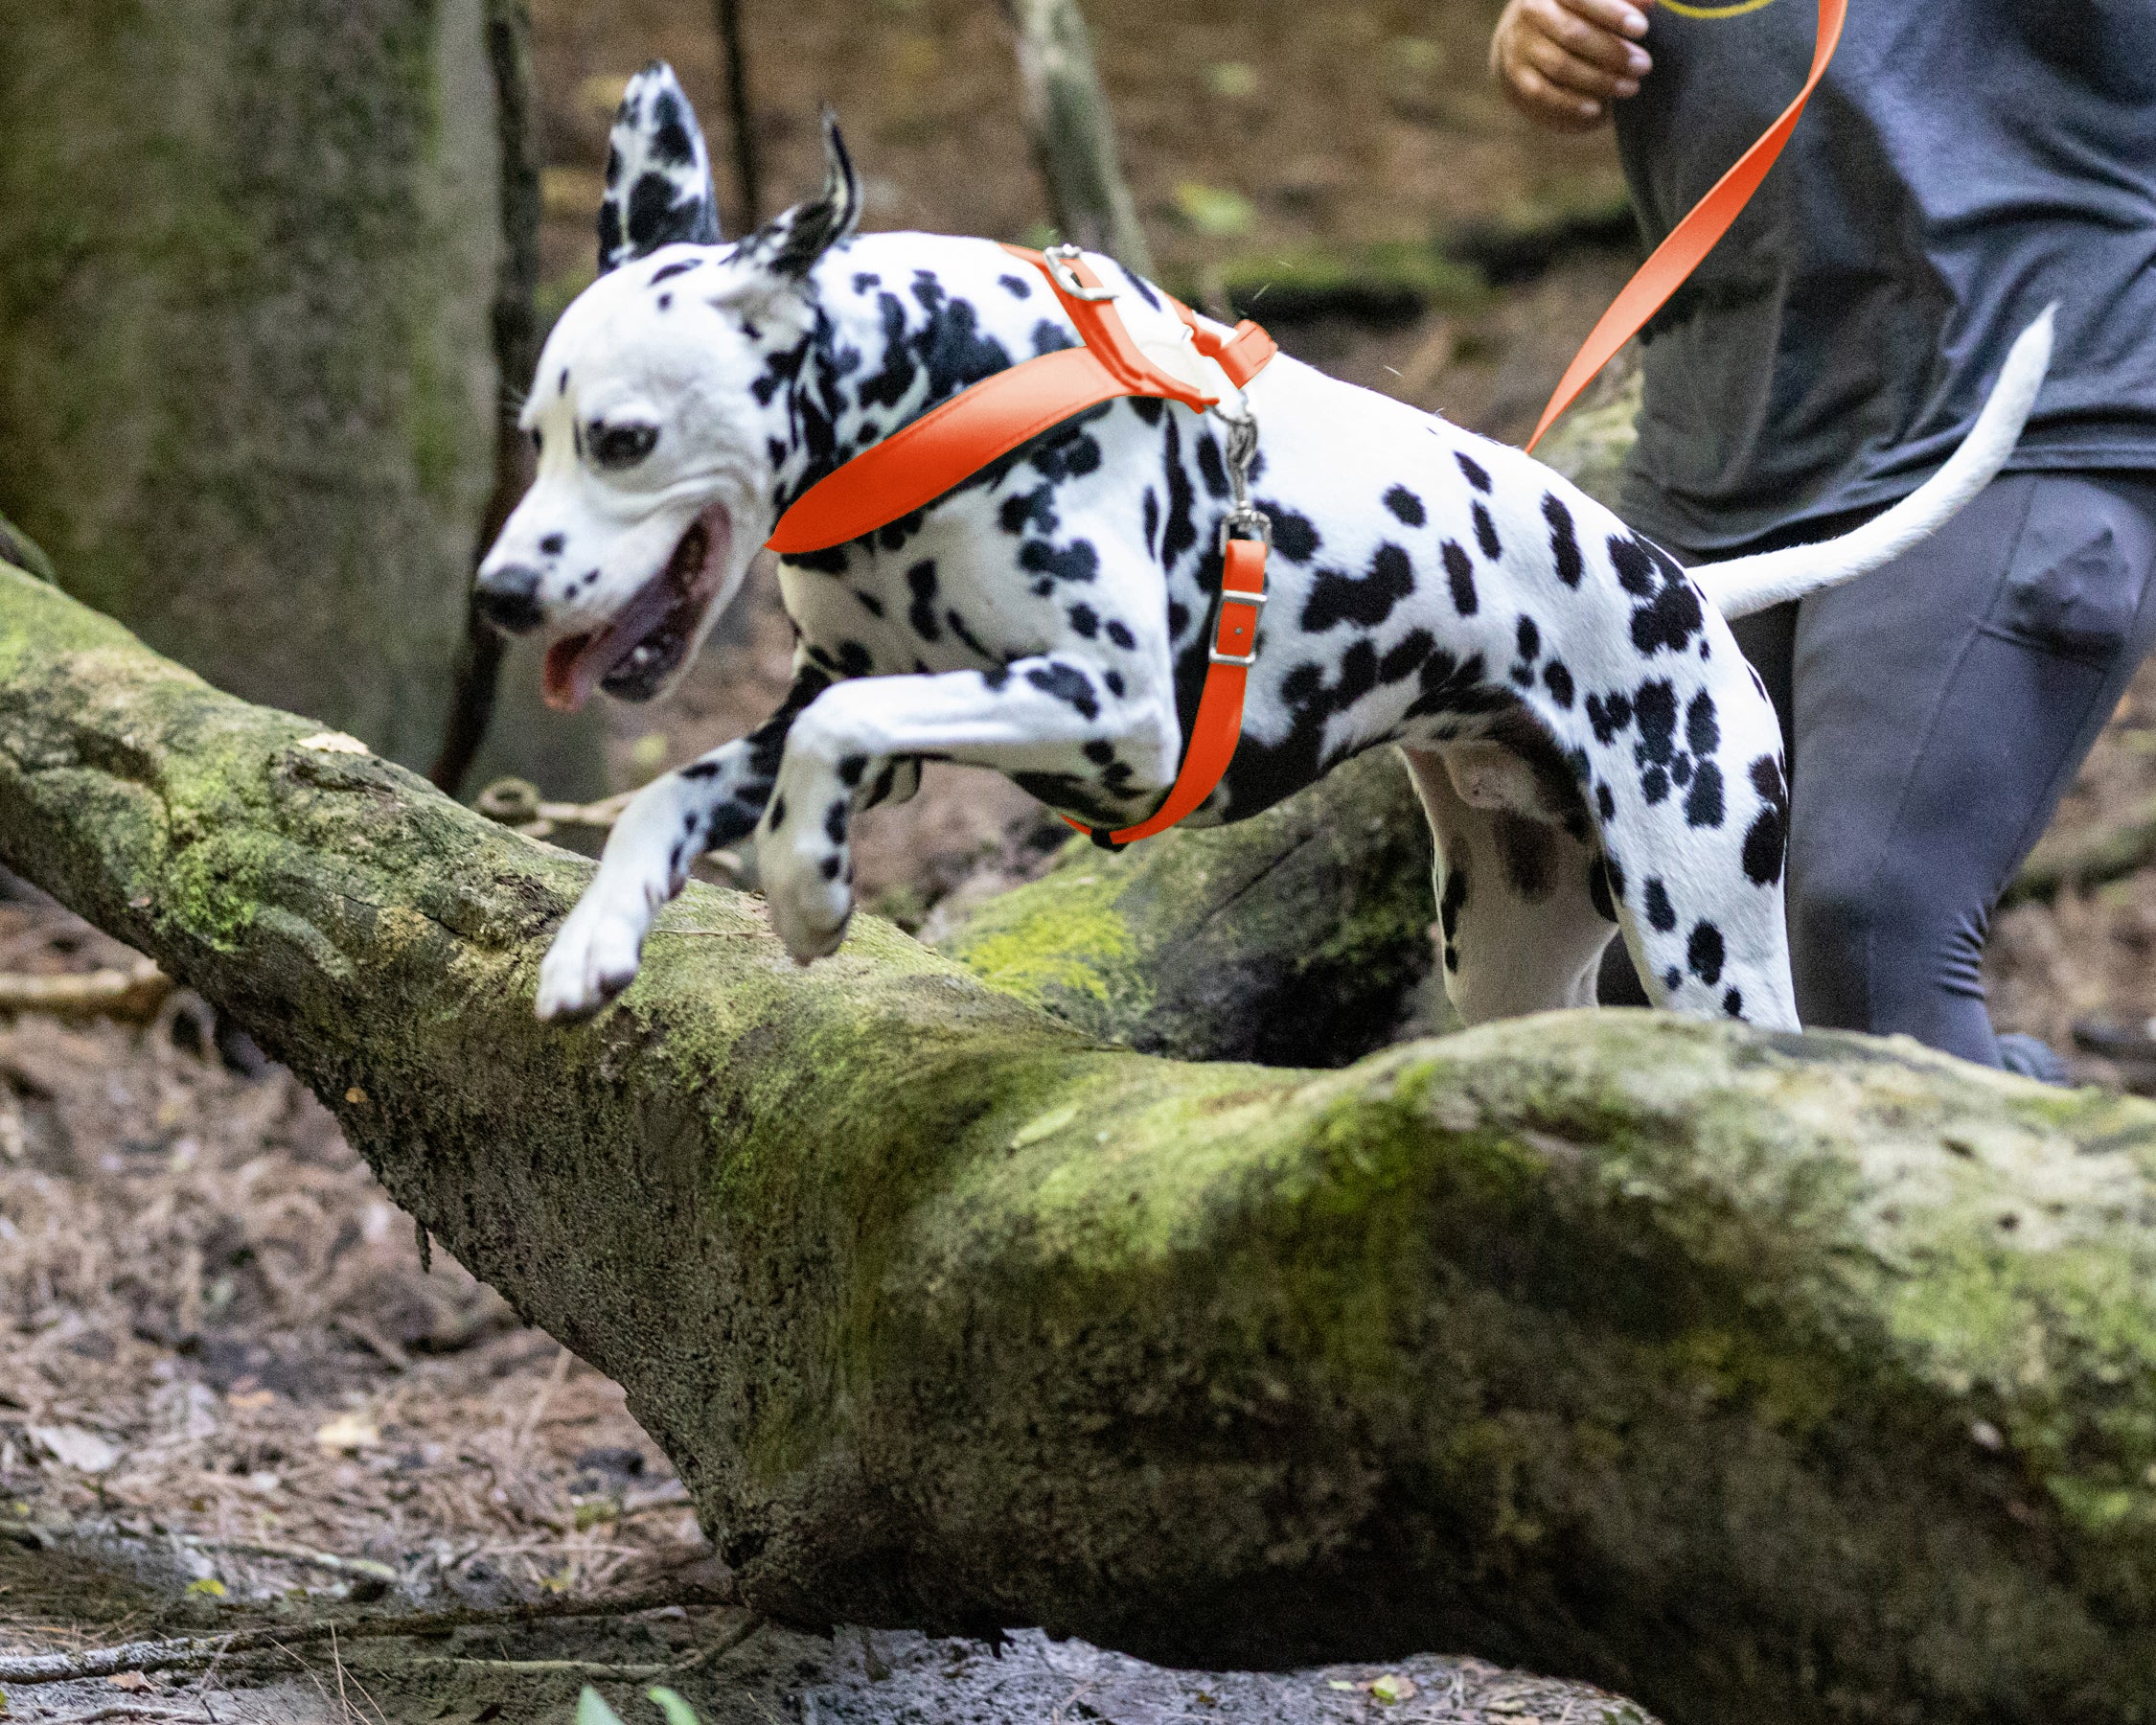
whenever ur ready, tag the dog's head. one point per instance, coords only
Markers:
(654, 469)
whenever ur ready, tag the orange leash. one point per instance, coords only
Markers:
(945, 446)
(1693, 238)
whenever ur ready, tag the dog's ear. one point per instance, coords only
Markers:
(789, 244)
(658, 174)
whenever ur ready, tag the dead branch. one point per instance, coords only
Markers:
(190, 1652)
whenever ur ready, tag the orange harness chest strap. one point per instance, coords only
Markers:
(920, 461)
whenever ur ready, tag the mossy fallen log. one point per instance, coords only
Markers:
(1761, 1378)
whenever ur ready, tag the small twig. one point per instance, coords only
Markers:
(134, 994)
(373, 1342)
(121, 1709)
(367, 1567)
(185, 1652)
(592, 1671)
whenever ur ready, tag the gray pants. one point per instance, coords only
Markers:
(1933, 713)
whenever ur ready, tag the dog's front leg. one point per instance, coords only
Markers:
(1035, 714)
(712, 801)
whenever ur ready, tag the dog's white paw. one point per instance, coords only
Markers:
(592, 959)
(809, 910)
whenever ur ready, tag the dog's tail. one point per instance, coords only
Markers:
(1745, 584)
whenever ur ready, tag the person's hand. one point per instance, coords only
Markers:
(1562, 63)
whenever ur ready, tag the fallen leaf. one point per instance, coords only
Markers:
(71, 1446)
(133, 1682)
(1393, 1689)
(1334, 1683)
(333, 742)
(350, 1433)
(209, 1587)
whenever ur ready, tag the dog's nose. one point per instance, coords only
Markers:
(508, 598)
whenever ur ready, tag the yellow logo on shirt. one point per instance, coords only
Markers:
(1734, 8)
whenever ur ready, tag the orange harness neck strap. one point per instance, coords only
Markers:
(919, 462)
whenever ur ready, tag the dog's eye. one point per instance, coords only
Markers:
(622, 446)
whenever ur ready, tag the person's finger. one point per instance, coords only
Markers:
(1621, 17)
(1558, 23)
(1568, 72)
(1546, 105)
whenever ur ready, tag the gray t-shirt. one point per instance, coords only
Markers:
(1964, 163)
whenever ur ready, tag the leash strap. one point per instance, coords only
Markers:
(1693, 238)
(945, 446)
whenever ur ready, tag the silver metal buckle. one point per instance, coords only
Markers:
(1060, 258)
(1256, 603)
(1246, 521)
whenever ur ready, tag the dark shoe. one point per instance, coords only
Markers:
(2031, 1058)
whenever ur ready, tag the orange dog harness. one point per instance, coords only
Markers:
(945, 446)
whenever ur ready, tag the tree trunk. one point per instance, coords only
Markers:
(1073, 131)
(1761, 1377)
(247, 262)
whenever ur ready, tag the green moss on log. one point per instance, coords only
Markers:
(1761, 1377)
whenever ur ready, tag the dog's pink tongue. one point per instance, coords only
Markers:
(566, 683)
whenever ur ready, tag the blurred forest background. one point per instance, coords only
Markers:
(257, 266)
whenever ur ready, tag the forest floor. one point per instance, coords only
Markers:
(231, 1390)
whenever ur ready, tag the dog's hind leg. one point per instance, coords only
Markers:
(673, 822)
(1523, 910)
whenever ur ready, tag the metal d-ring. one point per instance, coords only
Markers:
(1060, 258)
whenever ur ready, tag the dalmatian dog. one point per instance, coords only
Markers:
(1593, 752)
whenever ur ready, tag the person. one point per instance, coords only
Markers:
(1963, 164)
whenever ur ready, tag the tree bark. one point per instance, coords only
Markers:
(1073, 131)
(1760, 1377)
(248, 260)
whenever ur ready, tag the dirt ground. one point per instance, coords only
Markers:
(231, 1389)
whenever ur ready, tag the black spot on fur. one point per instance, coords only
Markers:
(1704, 952)
(1148, 409)
(1211, 467)
(1033, 511)
(1564, 546)
(870, 604)
(1151, 520)
(1524, 848)
(921, 578)
(1406, 505)
(864, 280)
(1085, 620)
(1077, 561)
(1449, 908)
(667, 272)
(1120, 635)
(1476, 477)
(1114, 681)
(1605, 803)
(1459, 572)
(1017, 286)
(1294, 535)
(1662, 914)
(1732, 1003)
(1486, 534)
(1608, 716)
(1766, 841)
(778, 812)
(1529, 639)
(1559, 681)
(835, 822)
(1366, 601)
(1051, 337)
(851, 770)
(971, 642)
(1069, 685)
(1635, 568)
(1703, 802)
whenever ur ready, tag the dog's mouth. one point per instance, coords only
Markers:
(632, 658)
